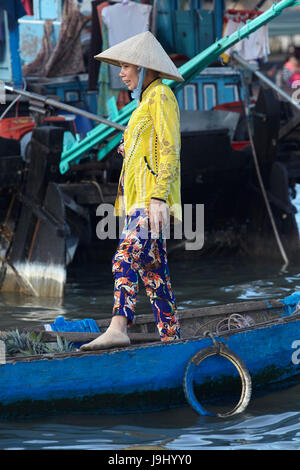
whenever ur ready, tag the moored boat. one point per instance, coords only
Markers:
(56, 171)
(150, 375)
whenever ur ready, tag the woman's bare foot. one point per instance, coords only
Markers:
(110, 339)
(115, 335)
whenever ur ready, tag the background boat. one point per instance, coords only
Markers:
(52, 184)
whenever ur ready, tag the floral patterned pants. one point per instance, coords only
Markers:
(140, 255)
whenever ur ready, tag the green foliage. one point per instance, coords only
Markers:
(31, 343)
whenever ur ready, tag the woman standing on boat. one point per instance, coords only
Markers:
(149, 189)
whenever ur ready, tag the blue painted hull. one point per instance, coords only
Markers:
(147, 377)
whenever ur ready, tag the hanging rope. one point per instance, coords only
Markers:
(257, 168)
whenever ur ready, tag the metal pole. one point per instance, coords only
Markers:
(264, 79)
(65, 107)
(154, 18)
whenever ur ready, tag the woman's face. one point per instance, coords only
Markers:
(295, 62)
(130, 75)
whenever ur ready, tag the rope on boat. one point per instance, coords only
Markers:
(234, 321)
(297, 309)
(258, 172)
(218, 348)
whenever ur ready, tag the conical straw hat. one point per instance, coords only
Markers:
(142, 50)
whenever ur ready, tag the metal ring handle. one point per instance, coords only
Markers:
(188, 380)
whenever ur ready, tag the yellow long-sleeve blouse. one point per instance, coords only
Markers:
(151, 165)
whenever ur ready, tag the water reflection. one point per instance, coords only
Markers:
(270, 422)
(89, 290)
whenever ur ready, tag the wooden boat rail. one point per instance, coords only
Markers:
(149, 341)
(214, 310)
(143, 339)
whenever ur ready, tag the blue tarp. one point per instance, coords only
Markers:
(87, 325)
(290, 303)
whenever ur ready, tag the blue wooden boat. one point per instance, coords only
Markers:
(150, 375)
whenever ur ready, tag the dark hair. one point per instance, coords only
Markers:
(294, 52)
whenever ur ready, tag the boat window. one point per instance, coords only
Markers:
(190, 97)
(209, 95)
(231, 92)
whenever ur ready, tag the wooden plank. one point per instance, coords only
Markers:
(214, 310)
(190, 314)
(82, 336)
(201, 312)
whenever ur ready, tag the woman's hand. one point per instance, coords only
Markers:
(158, 217)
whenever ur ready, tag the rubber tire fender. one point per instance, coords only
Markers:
(222, 350)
